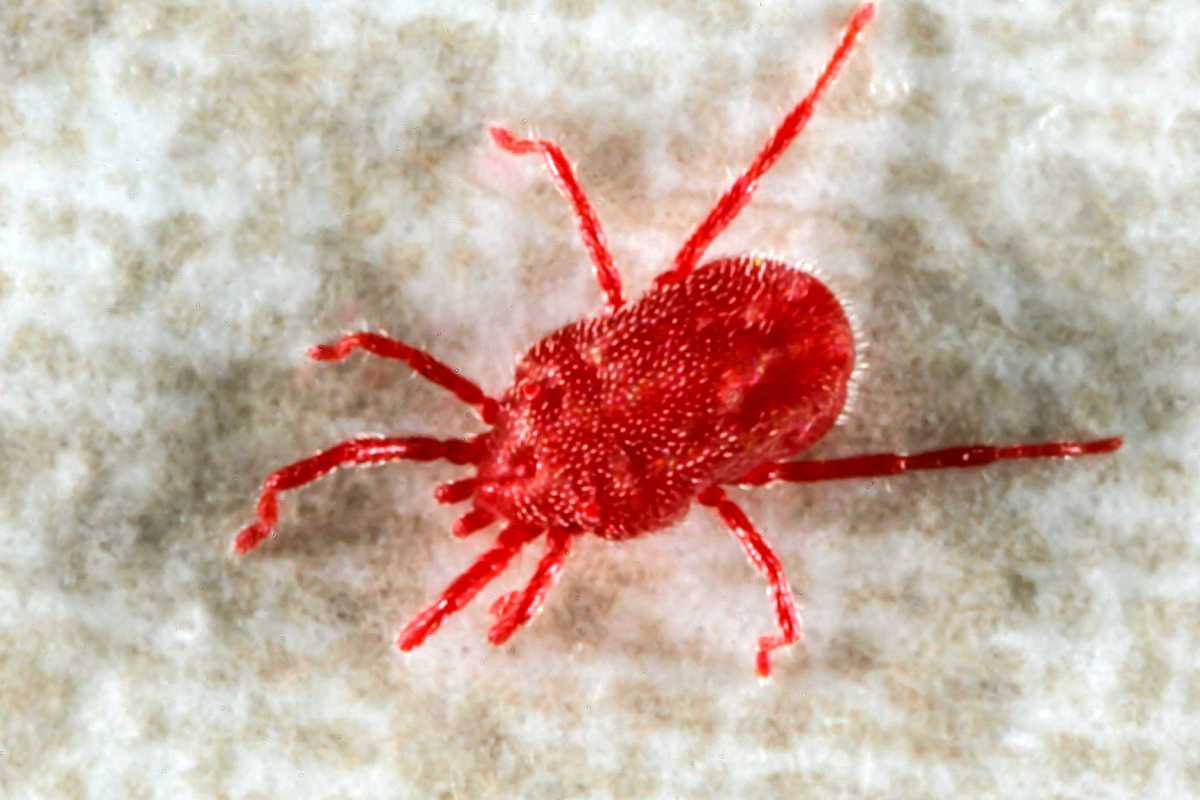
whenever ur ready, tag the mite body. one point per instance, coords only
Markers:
(615, 424)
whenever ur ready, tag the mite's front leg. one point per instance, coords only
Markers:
(515, 610)
(354, 452)
(466, 586)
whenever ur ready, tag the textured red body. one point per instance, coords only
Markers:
(615, 424)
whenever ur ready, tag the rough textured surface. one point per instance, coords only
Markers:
(616, 422)
(190, 194)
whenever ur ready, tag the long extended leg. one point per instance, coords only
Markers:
(764, 559)
(517, 610)
(367, 450)
(422, 363)
(877, 464)
(464, 588)
(589, 223)
(732, 202)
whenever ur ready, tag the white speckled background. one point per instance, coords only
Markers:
(192, 193)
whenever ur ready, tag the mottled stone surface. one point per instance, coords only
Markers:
(192, 193)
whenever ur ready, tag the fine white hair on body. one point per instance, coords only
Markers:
(849, 308)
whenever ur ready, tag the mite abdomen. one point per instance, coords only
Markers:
(744, 360)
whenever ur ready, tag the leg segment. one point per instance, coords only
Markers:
(422, 363)
(764, 559)
(877, 464)
(474, 520)
(456, 491)
(518, 610)
(589, 223)
(732, 202)
(504, 604)
(466, 586)
(368, 450)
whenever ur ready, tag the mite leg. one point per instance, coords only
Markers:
(368, 450)
(464, 588)
(731, 203)
(422, 363)
(504, 604)
(456, 491)
(589, 223)
(877, 464)
(474, 520)
(518, 610)
(764, 559)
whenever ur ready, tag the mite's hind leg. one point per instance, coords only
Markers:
(764, 559)
(466, 586)
(421, 362)
(879, 464)
(518, 608)
(355, 452)
(589, 224)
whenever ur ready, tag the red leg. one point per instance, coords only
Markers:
(732, 202)
(369, 450)
(465, 586)
(504, 604)
(474, 520)
(877, 464)
(589, 223)
(456, 491)
(424, 364)
(764, 559)
(518, 611)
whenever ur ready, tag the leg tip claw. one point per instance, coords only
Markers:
(504, 604)
(420, 628)
(509, 618)
(501, 136)
(324, 352)
(762, 662)
(249, 538)
(500, 633)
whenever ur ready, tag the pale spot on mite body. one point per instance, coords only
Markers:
(999, 192)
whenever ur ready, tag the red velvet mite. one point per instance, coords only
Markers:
(614, 424)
